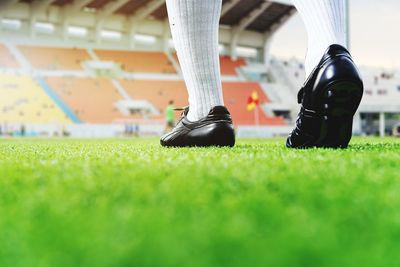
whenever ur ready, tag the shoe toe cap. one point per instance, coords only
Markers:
(289, 142)
(169, 139)
(164, 140)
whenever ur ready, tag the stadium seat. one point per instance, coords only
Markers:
(229, 66)
(22, 100)
(51, 58)
(134, 61)
(235, 97)
(159, 93)
(7, 60)
(93, 100)
(235, 94)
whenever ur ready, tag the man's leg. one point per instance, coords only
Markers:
(332, 93)
(194, 26)
(325, 21)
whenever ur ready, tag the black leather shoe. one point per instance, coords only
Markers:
(329, 99)
(215, 129)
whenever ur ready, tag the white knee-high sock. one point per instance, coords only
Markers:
(325, 22)
(194, 26)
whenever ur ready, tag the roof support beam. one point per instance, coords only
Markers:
(65, 15)
(145, 11)
(267, 50)
(166, 36)
(40, 5)
(244, 23)
(228, 6)
(37, 7)
(105, 12)
(140, 15)
(110, 8)
(79, 4)
(3, 7)
(274, 28)
(5, 4)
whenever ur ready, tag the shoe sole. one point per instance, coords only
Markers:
(340, 103)
(216, 134)
(219, 135)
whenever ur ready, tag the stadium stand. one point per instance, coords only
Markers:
(22, 100)
(72, 67)
(235, 97)
(94, 100)
(288, 73)
(51, 58)
(235, 94)
(85, 94)
(91, 99)
(229, 66)
(136, 61)
(294, 71)
(7, 59)
(157, 92)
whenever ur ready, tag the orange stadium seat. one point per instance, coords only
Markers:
(92, 99)
(134, 61)
(235, 97)
(51, 58)
(228, 66)
(159, 93)
(7, 60)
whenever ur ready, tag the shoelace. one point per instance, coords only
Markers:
(183, 109)
(299, 122)
(303, 112)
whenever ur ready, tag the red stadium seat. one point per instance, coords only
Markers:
(147, 62)
(228, 66)
(235, 97)
(51, 58)
(235, 94)
(159, 93)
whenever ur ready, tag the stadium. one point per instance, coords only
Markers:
(84, 85)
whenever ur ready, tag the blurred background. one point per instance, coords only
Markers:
(107, 68)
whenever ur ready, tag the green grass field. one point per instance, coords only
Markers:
(134, 203)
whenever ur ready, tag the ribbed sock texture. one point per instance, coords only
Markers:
(194, 27)
(325, 22)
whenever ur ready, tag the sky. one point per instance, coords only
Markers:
(374, 34)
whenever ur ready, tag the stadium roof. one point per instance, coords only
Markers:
(254, 15)
(126, 24)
